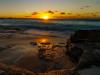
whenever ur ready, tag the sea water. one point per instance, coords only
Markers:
(63, 26)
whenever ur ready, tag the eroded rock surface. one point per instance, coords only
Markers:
(84, 47)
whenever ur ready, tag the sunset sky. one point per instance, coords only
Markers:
(51, 8)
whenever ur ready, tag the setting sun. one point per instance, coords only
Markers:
(45, 17)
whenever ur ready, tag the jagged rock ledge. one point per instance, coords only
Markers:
(84, 49)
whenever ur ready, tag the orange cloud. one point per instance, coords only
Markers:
(35, 13)
(69, 13)
(51, 12)
(62, 13)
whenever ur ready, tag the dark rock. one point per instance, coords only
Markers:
(84, 47)
(3, 72)
(86, 36)
(54, 59)
(75, 53)
(33, 43)
(90, 71)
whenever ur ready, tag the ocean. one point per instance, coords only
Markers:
(52, 25)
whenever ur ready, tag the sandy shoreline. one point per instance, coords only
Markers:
(17, 50)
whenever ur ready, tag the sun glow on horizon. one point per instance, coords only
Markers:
(45, 17)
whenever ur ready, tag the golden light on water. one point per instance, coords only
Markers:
(42, 40)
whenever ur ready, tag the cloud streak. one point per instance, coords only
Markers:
(51, 12)
(35, 13)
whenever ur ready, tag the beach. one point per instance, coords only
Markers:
(16, 48)
(20, 45)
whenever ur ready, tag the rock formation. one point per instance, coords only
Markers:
(84, 48)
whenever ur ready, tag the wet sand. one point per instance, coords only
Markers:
(17, 50)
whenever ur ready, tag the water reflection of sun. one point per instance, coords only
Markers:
(42, 40)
